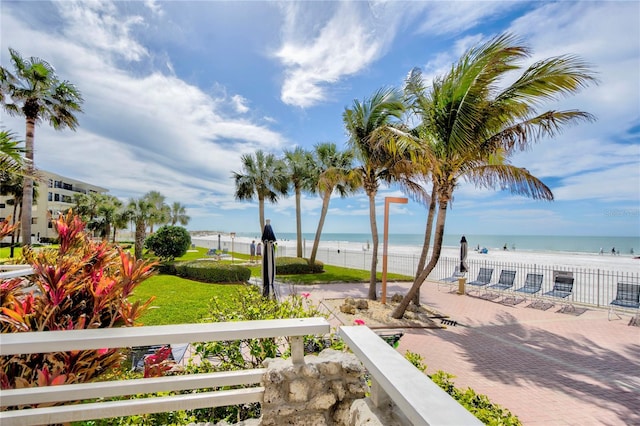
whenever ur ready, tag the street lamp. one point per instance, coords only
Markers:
(387, 201)
(233, 235)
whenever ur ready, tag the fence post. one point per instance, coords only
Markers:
(598, 288)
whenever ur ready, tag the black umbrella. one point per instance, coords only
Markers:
(268, 260)
(463, 255)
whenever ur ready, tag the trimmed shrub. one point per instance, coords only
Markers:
(210, 272)
(169, 242)
(297, 265)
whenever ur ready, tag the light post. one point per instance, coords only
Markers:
(387, 201)
(233, 236)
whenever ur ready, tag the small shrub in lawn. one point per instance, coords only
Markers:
(297, 265)
(169, 242)
(211, 272)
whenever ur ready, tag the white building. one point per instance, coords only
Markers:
(55, 195)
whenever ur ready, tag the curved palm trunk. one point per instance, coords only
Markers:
(435, 256)
(27, 188)
(323, 214)
(427, 241)
(374, 253)
(298, 224)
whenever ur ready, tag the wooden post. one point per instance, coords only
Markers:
(385, 239)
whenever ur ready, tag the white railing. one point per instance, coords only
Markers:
(395, 380)
(13, 271)
(417, 400)
(55, 341)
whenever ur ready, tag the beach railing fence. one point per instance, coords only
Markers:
(593, 287)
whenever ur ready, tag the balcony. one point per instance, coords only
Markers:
(397, 388)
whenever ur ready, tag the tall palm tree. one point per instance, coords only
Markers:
(368, 124)
(298, 162)
(333, 170)
(263, 176)
(121, 220)
(34, 91)
(107, 211)
(161, 211)
(473, 125)
(141, 211)
(178, 214)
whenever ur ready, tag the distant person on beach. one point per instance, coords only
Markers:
(259, 249)
(613, 251)
(252, 251)
(505, 246)
(601, 250)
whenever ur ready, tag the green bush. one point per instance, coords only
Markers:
(211, 272)
(169, 242)
(297, 265)
(479, 405)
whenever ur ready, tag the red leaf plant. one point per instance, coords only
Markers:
(80, 285)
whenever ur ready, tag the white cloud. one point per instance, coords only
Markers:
(97, 25)
(443, 17)
(317, 56)
(240, 104)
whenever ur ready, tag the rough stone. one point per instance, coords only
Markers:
(298, 391)
(348, 309)
(362, 304)
(350, 301)
(323, 402)
(396, 298)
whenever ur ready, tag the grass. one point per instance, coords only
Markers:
(178, 301)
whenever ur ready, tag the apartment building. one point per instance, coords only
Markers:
(55, 195)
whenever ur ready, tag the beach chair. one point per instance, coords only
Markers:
(532, 285)
(627, 297)
(562, 290)
(452, 280)
(505, 282)
(483, 279)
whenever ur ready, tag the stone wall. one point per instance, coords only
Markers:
(318, 392)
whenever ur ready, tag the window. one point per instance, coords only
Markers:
(50, 197)
(2, 219)
(50, 183)
(56, 197)
(50, 225)
(2, 205)
(34, 220)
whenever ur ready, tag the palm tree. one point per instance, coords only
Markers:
(11, 160)
(473, 125)
(107, 211)
(141, 212)
(161, 211)
(264, 177)
(298, 162)
(178, 214)
(11, 185)
(368, 124)
(35, 92)
(121, 220)
(333, 170)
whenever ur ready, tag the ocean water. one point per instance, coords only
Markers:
(547, 243)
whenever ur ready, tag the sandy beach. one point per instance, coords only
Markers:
(624, 263)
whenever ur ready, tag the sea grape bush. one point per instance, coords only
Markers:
(169, 242)
(80, 285)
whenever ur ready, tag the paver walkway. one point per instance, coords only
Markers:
(547, 367)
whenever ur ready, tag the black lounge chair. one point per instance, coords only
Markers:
(627, 297)
(532, 285)
(505, 282)
(484, 278)
(452, 280)
(563, 290)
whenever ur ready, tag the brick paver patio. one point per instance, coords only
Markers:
(547, 367)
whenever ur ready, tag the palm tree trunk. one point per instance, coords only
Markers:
(107, 231)
(427, 240)
(140, 234)
(298, 224)
(323, 214)
(435, 256)
(374, 253)
(27, 186)
(13, 222)
(261, 211)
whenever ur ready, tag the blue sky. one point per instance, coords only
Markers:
(176, 91)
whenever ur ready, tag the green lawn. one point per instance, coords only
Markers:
(178, 301)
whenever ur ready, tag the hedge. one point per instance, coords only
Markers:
(297, 265)
(211, 272)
